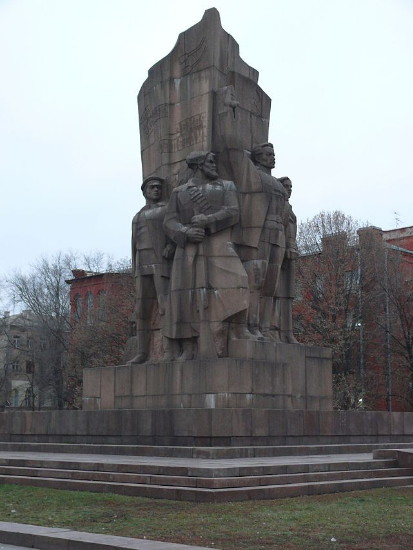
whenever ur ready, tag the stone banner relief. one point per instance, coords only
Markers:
(214, 247)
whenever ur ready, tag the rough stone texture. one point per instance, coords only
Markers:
(405, 458)
(187, 89)
(223, 427)
(286, 376)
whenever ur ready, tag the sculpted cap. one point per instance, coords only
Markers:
(151, 178)
(196, 158)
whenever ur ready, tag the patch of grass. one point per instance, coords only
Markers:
(376, 519)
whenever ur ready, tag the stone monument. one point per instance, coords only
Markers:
(214, 247)
(215, 361)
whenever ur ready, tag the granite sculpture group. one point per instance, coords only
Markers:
(214, 251)
(191, 261)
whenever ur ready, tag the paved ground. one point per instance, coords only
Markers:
(47, 538)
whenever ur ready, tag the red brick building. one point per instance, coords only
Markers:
(101, 310)
(356, 296)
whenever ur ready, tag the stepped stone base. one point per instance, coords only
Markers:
(200, 480)
(206, 427)
(259, 375)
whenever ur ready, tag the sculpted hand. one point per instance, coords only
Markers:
(168, 252)
(200, 220)
(195, 234)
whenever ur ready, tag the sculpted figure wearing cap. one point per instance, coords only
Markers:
(152, 255)
(208, 296)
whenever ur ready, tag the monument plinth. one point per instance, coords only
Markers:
(299, 377)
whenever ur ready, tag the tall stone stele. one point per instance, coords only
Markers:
(225, 333)
(192, 94)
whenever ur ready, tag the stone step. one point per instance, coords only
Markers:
(226, 468)
(207, 483)
(201, 452)
(212, 495)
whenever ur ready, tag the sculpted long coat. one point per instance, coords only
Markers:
(208, 281)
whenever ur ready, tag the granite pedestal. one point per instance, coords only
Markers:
(285, 376)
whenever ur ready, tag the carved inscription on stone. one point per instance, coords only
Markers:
(189, 132)
(256, 103)
(190, 60)
(150, 117)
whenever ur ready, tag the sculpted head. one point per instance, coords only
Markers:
(263, 155)
(203, 161)
(287, 184)
(152, 189)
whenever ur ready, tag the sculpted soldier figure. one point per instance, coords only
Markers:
(286, 287)
(260, 235)
(208, 296)
(151, 264)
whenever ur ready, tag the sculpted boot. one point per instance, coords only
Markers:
(141, 357)
(286, 319)
(254, 315)
(220, 336)
(188, 349)
(268, 325)
(171, 349)
(239, 329)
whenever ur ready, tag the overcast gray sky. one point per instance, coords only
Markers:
(339, 73)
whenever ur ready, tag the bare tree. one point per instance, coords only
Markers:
(327, 310)
(356, 296)
(66, 347)
(44, 292)
(387, 290)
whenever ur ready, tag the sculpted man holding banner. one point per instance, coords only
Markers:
(260, 235)
(208, 293)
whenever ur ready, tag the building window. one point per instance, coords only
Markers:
(351, 280)
(15, 366)
(89, 308)
(29, 367)
(29, 398)
(78, 307)
(15, 398)
(102, 305)
(319, 286)
(16, 341)
(29, 343)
